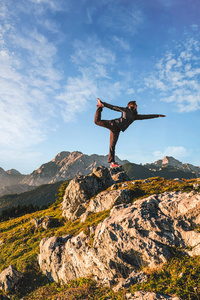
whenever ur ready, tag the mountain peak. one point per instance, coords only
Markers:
(13, 172)
(169, 160)
(60, 156)
(66, 165)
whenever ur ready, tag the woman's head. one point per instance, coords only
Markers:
(132, 104)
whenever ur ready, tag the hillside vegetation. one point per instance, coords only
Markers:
(33, 200)
(19, 246)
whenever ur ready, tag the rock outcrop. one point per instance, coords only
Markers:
(134, 277)
(106, 200)
(77, 196)
(132, 236)
(9, 278)
(44, 222)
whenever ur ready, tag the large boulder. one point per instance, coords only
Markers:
(106, 200)
(44, 222)
(134, 235)
(82, 188)
(9, 278)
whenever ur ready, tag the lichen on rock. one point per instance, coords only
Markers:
(134, 235)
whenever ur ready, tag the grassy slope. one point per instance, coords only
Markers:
(20, 247)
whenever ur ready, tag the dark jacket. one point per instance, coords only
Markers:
(128, 116)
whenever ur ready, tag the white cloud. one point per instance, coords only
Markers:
(40, 7)
(28, 81)
(122, 43)
(143, 157)
(94, 63)
(75, 97)
(195, 27)
(123, 18)
(178, 75)
(177, 152)
(91, 55)
(90, 12)
(130, 91)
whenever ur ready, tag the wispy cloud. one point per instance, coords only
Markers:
(40, 7)
(178, 152)
(123, 19)
(177, 76)
(74, 99)
(93, 57)
(28, 81)
(94, 64)
(122, 43)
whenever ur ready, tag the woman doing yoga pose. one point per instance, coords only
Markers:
(129, 115)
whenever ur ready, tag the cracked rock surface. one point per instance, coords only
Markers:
(132, 236)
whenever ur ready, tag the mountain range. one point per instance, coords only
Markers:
(66, 165)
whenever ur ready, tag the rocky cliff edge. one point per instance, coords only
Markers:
(134, 235)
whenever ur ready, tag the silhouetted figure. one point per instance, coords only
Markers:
(129, 115)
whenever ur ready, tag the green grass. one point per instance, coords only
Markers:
(157, 185)
(180, 276)
(79, 289)
(20, 247)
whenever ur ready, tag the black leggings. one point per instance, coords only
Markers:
(114, 132)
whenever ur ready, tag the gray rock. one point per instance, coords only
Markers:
(44, 222)
(118, 174)
(82, 188)
(132, 236)
(9, 278)
(134, 277)
(106, 200)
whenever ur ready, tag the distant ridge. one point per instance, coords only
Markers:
(169, 161)
(66, 165)
(10, 178)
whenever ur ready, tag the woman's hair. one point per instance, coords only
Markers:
(131, 103)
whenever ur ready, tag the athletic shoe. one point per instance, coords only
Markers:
(99, 104)
(114, 165)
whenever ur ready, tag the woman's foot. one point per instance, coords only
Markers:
(114, 165)
(99, 104)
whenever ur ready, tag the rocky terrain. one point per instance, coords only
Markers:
(109, 230)
(133, 236)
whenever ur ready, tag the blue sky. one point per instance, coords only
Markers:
(58, 56)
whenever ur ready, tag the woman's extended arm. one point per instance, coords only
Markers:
(143, 117)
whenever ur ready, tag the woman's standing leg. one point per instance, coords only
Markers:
(114, 132)
(114, 135)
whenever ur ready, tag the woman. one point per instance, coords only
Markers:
(129, 115)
